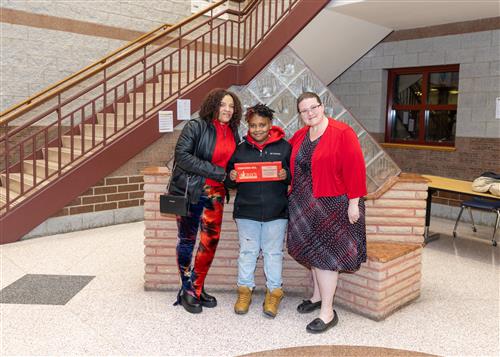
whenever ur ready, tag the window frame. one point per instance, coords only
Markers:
(423, 107)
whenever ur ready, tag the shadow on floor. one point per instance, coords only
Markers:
(477, 249)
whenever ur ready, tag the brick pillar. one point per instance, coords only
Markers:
(389, 279)
(398, 213)
(160, 239)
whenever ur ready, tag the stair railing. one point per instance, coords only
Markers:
(65, 124)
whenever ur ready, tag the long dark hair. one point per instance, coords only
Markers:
(210, 107)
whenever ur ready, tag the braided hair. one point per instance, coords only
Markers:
(261, 110)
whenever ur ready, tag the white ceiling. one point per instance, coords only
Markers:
(408, 14)
(346, 29)
(332, 42)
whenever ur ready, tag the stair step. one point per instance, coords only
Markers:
(110, 120)
(40, 167)
(139, 97)
(15, 181)
(157, 87)
(53, 154)
(3, 195)
(99, 130)
(77, 141)
(120, 109)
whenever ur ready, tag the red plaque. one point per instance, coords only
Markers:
(258, 171)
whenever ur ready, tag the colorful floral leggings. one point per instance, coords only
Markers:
(208, 212)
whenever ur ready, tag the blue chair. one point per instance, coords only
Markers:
(482, 204)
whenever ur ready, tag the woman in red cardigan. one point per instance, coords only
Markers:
(326, 230)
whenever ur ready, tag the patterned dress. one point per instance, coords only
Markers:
(319, 232)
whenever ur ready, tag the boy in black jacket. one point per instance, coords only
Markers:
(261, 209)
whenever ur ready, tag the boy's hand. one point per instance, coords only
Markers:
(282, 174)
(233, 175)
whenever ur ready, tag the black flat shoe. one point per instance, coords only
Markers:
(318, 326)
(189, 303)
(308, 306)
(207, 300)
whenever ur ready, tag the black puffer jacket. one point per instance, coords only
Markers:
(267, 200)
(198, 137)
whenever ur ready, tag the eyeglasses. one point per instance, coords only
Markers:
(312, 109)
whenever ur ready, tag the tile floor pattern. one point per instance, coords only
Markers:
(457, 313)
(43, 289)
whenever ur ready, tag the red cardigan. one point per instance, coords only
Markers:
(338, 166)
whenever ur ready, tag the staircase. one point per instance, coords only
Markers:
(58, 143)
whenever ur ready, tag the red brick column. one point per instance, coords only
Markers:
(388, 280)
(398, 214)
(160, 239)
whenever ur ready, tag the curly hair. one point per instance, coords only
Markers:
(261, 110)
(307, 95)
(210, 107)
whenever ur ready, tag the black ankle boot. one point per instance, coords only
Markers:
(178, 298)
(189, 302)
(207, 300)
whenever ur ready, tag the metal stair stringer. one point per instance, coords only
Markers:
(36, 208)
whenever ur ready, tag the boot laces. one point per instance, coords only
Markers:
(273, 299)
(243, 298)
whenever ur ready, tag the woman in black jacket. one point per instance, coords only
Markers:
(201, 156)
(261, 209)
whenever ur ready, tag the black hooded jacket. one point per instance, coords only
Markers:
(266, 200)
(193, 156)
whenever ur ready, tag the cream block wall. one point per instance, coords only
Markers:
(138, 15)
(35, 58)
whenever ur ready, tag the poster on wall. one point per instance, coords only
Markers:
(166, 121)
(183, 109)
(497, 106)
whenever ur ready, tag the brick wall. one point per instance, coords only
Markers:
(399, 213)
(109, 193)
(123, 187)
(381, 286)
(467, 162)
(472, 156)
(160, 240)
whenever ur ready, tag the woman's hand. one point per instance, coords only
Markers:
(233, 175)
(353, 210)
(282, 174)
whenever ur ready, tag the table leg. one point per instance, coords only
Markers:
(427, 236)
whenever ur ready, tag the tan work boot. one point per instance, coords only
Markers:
(244, 300)
(272, 302)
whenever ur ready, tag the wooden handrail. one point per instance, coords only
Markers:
(100, 61)
(30, 102)
(249, 6)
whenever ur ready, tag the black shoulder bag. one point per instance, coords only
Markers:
(172, 204)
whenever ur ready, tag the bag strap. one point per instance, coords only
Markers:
(188, 176)
(170, 181)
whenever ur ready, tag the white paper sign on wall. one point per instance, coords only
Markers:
(166, 121)
(497, 106)
(183, 109)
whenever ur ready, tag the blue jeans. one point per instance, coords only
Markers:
(269, 237)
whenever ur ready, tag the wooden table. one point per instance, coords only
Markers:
(450, 185)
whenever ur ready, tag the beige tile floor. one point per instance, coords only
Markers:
(457, 313)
